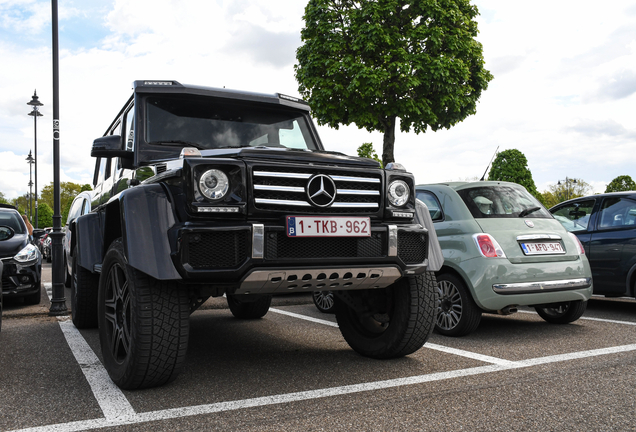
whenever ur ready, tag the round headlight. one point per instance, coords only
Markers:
(213, 184)
(399, 193)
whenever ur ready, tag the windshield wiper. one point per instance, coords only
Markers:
(528, 211)
(178, 143)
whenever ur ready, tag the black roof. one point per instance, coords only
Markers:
(146, 86)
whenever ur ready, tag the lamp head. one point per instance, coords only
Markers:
(35, 100)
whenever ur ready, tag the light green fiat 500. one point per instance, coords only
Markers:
(502, 249)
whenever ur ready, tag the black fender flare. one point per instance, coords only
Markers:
(141, 216)
(146, 216)
(88, 241)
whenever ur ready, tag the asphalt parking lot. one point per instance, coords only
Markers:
(292, 370)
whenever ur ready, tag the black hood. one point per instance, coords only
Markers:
(293, 155)
(10, 247)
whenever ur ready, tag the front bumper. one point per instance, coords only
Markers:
(20, 279)
(246, 256)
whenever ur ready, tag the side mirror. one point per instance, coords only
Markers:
(6, 232)
(110, 146)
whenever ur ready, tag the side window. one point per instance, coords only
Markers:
(107, 169)
(575, 216)
(100, 171)
(87, 207)
(617, 213)
(75, 209)
(130, 128)
(434, 208)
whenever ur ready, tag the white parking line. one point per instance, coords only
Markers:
(592, 319)
(111, 399)
(304, 317)
(469, 354)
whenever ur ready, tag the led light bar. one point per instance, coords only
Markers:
(218, 209)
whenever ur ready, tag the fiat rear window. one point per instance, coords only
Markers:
(502, 202)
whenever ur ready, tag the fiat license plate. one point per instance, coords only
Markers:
(542, 248)
(338, 226)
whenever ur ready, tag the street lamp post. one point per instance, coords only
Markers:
(567, 186)
(30, 161)
(58, 302)
(35, 103)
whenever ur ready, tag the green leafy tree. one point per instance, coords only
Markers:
(620, 184)
(366, 151)
(548, 199)
(572, 188)
(45, 215)
(3, 200)
(22, 204)
(68, 191)
(512, 166)
(65, 211)
(370, 62)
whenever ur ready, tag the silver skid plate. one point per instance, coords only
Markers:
(333, 279)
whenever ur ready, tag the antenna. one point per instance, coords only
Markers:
(493, 158)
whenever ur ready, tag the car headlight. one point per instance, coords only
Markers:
(399, 193)
(213, 184)
(29, 253)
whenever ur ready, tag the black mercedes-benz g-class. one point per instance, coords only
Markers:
(205, 192)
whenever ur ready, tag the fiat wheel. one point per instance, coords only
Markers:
(457, 313)
(324, 301)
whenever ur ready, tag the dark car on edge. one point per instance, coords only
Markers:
(22, 261)
(606, 226)
(80, 206)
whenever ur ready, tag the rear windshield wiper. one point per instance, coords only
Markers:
(528, 211)
(178, 143)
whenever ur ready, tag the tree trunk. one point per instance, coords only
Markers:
(389, 141)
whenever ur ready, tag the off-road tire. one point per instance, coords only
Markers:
(400, 322)
(143, 324)
(457, 312)
(249, 310)
(562, 313)
(84, 290)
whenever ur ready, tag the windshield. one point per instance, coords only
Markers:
(502, 202)
(208, 123)
(13, 220)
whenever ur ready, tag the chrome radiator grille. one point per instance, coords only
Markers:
(285, 189)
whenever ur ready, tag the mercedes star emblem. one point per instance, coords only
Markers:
(321, 190)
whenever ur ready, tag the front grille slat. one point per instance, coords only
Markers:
(283, 189)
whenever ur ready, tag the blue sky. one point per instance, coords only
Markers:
(564, 91)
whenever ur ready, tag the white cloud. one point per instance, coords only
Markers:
(563, 92)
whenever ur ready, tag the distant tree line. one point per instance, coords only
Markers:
(68, 191)
(512, 166)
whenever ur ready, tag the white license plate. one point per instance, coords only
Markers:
(542, 248)
(338, 226)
